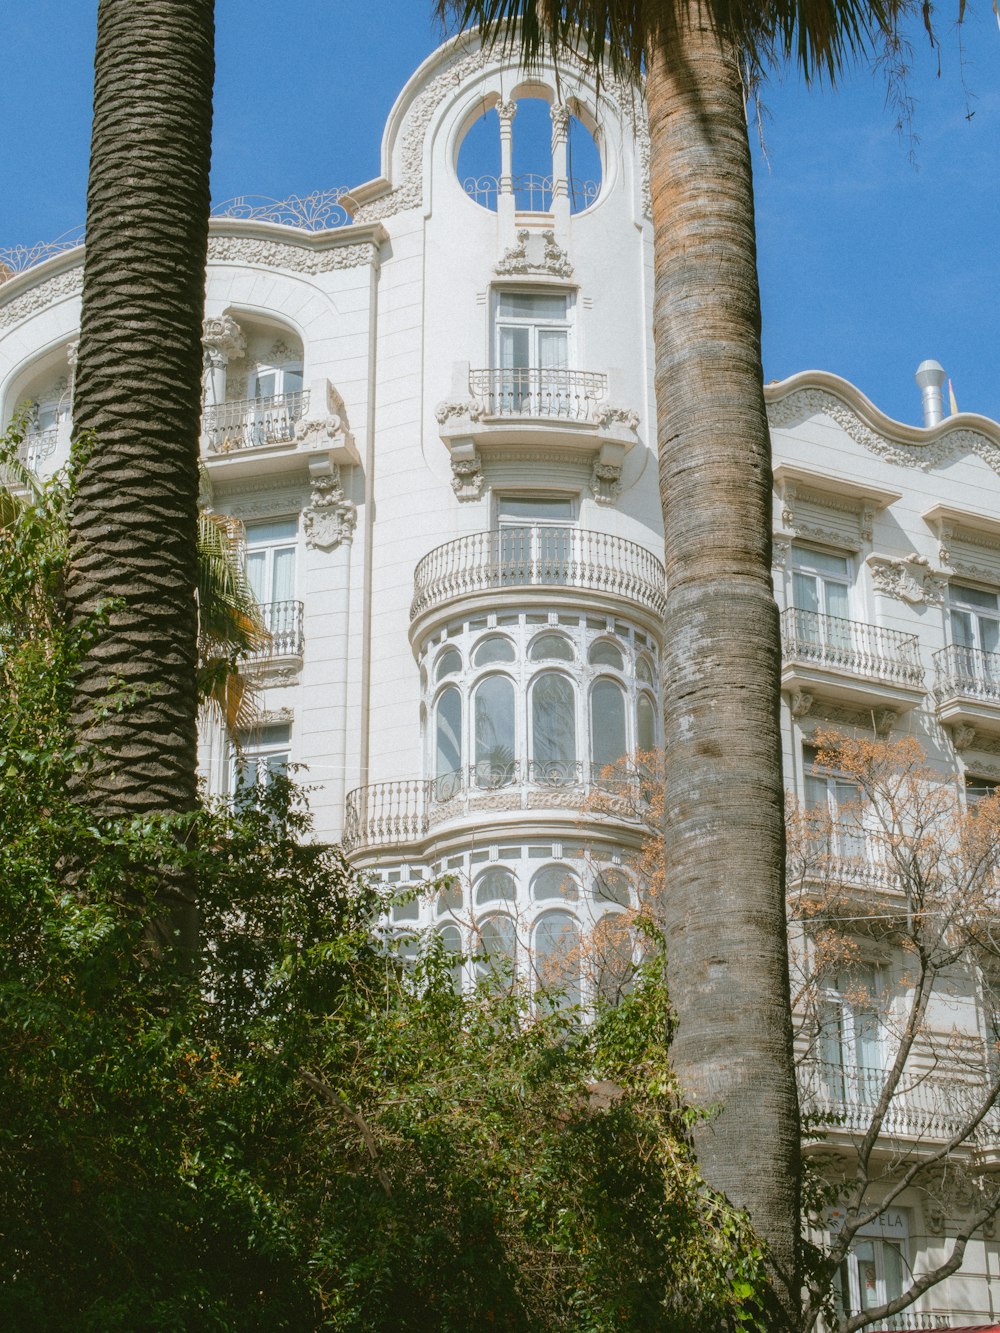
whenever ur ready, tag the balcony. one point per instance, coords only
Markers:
(252, 423)
(394, 814)
(924, 1109)
(281, 433)
(566, 395)
(37, 446)
(565, 410)
(967, 689)
(846, 660)
(482, 565)
(284, 622)
(840, 856)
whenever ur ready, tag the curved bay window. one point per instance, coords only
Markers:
(540, 697)
(556, 957)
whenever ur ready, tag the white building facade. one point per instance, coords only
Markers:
(430, 403)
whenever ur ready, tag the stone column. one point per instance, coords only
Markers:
(560, 185)
(506, 206)
(222, 338)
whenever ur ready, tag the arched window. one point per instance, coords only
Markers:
(494, 728)
(608, 738)
(553, 729)
(555, 882)
(556, 956)
(497, 948)
(448, 664)
(603, 653)
(644, 671)
(611, 886)
(645, 723)
(447, 736)
(551, 647)
(495, 648)
(611, 953)
(450, 899)
(495, 885)
(451, 939)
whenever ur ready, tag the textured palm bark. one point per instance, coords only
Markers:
(724, 909)
(138, 389)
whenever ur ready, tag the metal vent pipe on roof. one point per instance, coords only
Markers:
(931, 377)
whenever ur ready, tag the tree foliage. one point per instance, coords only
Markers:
(307, 1130)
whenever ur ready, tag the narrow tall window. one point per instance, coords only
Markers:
(494, 732)
(448, 742)
(820, 593)
(608, 737)
(553, 729)
(975, 634)
(533, 353)
(850, 1048)
(556, 957)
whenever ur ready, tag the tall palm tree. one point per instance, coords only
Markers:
(724, 913)
(137, 395)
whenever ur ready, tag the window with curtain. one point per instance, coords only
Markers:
(608, 731)
(821, 584)
(493, 711)
(850, 1045)
(532, 348)
(556, 882)
(448, 742)
(497, 948)
(556, 957)
(553, 727)
(495, 885)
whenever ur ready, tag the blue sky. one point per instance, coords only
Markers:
(869, 261)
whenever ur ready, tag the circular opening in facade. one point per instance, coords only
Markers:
(533, 164)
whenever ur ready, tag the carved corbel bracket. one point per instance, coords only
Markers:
(466, 470)
(324, 431)
(885, 719)
(223, 340)
(801, 703)
(962, 737)
(330, 518)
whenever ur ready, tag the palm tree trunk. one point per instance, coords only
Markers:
(138, 390)
(724, 910)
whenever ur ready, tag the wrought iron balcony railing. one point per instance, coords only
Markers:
(568, 395)
(842, 852)
(252, 423)
(967, 671)
(284, 621)
(539, 557)
(388, 814)
(37, 446)
(850, 645)
(923, 1107)
(532, 192)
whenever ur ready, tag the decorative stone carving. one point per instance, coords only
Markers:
(606, 482)
(909, 578)
(962, 737)
(781, 550)
(330, 518)
(560, 114)
(535, 252)
(323, 432)
(801, 703)
(286, 255)
(950, 444)
(467, 474)
(72, 355)
(507, 110)
(223, 340)
(46, 293)
(458, 409)
(605, 415)
(885, 719)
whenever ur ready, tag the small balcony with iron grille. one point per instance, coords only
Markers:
(284, 650)
(850, 662)
(569, 411)
(284, 432)
(967, 690)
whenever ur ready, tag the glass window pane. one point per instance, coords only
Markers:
(613, 963)
(551, 646)
(961, 592)
(450, 899)
(821, 561)
(607, 723)
(495, 885)
(894, 1266)
(534, 508)
(553, 349)
(283, 577)
(644, 671)
(611, 886)
(265, 384)
(278, 530)
(805, 592)
(451, 939)
(494, 649)
(837, 600)
(497, 947)
(553, 720)
(257, 574)
(554, 882)
(448, 744)
(557, 956)
(603, 653)
(514, 348)
(494, 730)
(989, 633)
(645, 719)
(448, 664)
(532, 305)
(291, 379)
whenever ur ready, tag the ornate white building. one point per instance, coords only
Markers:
(430, 402)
